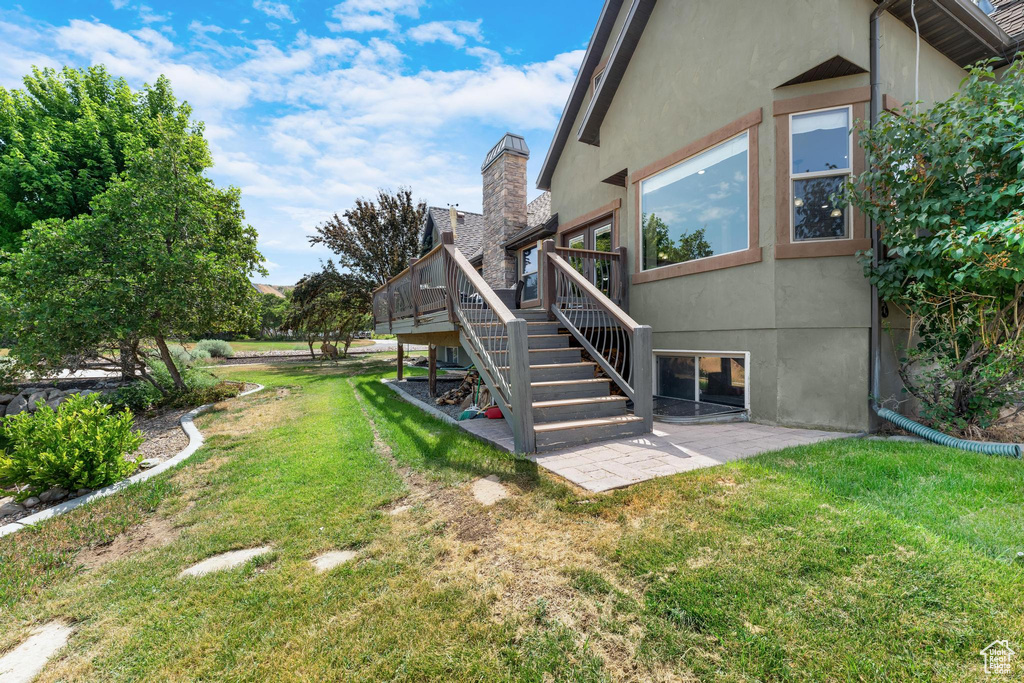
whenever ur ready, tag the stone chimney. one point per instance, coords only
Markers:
(504, 180)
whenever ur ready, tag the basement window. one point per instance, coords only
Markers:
(699, 384)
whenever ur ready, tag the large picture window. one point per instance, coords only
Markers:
(821, 165)
(697, 208)
(702, 377)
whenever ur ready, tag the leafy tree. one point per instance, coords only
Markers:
(330, 306)
(164, 254)
(660, 249)
(947, 185)
(63, 137)
(273, 312)
(376, 240)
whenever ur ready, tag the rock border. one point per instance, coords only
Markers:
(195, 442)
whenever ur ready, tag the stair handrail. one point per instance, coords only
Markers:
(584, 310)
(503, 360)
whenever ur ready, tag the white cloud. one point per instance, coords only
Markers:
(275, 10)
(118, 4)
(453, 33)
(148, 16)
(360, 16)
(201, 28)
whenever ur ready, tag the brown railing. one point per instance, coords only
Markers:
(605, 270)
(614, 340)
(416, 291)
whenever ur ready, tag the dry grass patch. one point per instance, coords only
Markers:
(155, 532)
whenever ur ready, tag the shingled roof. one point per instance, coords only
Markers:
(469, 231)
(1009, 15)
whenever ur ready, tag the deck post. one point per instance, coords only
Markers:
(432, 373)
(401, 361)
(522, 392)
(547, 277)
(448, 237)
(643, 375)
(414, 286)
(621, 288)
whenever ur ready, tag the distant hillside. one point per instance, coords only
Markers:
(276, 290)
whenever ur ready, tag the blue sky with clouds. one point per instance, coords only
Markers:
(310, 104)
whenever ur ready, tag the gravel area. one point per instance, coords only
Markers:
(419, 390)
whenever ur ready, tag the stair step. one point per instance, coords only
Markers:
(563, 409)
(554, 371)
(571, 388)
(539, 356)
(552, 435)
(537, 341)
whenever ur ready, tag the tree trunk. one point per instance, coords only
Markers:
(311, 354)
(127, 360)
(165, 356)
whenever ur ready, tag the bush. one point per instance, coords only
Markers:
(81, 445)
(217, 348)
(138, 397)
(209, 394)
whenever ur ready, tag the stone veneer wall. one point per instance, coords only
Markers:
(504, 182)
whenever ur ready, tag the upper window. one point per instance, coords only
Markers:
(597, 79)
(697, 208)
(821, 155)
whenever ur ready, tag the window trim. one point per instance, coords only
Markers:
(752, 254)
(859, 239)
(697, 355)
(828, 173)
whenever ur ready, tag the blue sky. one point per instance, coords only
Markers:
(311, 104)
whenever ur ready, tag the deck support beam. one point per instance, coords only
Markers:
(432, 372)
(401, 361)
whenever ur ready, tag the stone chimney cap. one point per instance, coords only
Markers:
(512, 144)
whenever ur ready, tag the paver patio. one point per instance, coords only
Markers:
(669, 449)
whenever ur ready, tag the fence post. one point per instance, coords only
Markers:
(522, 393)
(620, 274)
(451, 282)
(547, 277)
(643, 375)
(414, 286)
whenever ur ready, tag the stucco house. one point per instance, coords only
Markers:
(691, 179)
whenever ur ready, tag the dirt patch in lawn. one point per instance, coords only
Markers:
(264, 411)
(153, 533)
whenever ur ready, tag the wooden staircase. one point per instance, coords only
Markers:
(571, 403)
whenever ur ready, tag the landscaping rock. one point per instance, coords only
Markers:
(53, 495)
(17, 405)
(489, 490)
(6, 398)
(149, 462)
(25, 662)
(332, 559)
(224, 561)
(35, 398)
(54, 403)
(82, 492)
(31, 502)
(9, 507)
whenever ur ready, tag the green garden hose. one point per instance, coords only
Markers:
(1010, 449)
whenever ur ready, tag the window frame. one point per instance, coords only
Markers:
(848, 227)
(520, 254)
(640, 209)
(697, 355)
(750, 123)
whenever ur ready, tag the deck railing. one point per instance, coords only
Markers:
(605, 269)
(616, 342)
(496, 340)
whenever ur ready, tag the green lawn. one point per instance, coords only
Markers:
(242, 347)
(848, 560)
